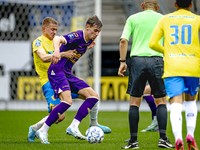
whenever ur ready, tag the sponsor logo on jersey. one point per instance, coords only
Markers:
(76, 34)
(50, 52)
(65, 86)
(38, 43)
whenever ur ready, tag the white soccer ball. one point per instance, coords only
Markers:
(94, 135)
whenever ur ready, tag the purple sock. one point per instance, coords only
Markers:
(150, 100)
(85, 108)
(54, 115)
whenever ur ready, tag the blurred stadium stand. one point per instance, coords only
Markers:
(69, 13)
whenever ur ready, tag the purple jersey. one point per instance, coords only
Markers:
(59, 75)
(75, 40)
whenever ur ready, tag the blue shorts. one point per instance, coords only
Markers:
(49, 95)
(177, 85)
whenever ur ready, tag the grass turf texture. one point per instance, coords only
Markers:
(14, 129)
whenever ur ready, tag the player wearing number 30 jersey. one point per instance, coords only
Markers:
(180, 28)
(181, 67)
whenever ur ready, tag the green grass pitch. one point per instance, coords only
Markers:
(14, 129)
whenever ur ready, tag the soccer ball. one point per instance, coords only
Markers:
(94, 135)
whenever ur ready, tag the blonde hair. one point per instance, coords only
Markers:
(150, 4)
(48, 20)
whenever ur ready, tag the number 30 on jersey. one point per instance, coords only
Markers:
(185, 34)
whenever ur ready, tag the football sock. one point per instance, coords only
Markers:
(85, 108)
(154, 117)
(56, 112)
(162, 120)
(150, 100)
(191, 116)
(93, 115)
(133, 122)
(75, 123)
(44, 128)
(176, 120)
(39, 124)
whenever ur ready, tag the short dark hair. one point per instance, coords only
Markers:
(94, 20)
(183, 3)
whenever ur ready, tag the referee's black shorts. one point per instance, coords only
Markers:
(143, 69)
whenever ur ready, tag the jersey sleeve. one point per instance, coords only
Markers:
(126, 34)
(156, 36)
(37, 44)
(72, 37)
(158, 30)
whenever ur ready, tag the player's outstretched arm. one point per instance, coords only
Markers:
(68, 54)
(56, 44)
(43, 55)
(47, 57)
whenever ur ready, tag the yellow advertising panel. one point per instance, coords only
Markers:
(29, 88)
(78, 23)
(112, 88)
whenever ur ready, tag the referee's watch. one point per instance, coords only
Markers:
(122, 60)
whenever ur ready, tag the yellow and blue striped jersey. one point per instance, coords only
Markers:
(42, 67)
(181, 43)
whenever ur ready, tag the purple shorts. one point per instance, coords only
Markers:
(61, 81)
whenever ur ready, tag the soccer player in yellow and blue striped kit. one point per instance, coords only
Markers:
(181, 67)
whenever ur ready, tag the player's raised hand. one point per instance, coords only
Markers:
(55, 57)
(122, 69)
(91, 45)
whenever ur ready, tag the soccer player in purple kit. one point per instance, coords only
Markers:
(42, 52)
(63, 82)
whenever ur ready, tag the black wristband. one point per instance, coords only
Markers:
(122, 60)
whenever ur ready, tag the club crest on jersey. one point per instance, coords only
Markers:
(38, 43)
(71, 36)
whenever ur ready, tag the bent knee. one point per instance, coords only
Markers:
(96, 97)
(68, 101)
